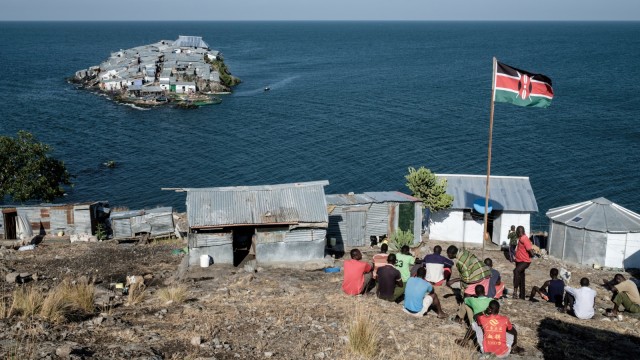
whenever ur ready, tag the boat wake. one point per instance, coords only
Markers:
(134, 106)
(271, 86)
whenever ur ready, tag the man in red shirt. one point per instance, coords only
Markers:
(495, 333)
(357, 273)
(524, 251)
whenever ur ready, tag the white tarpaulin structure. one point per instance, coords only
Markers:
(595, 232)
(23, 228)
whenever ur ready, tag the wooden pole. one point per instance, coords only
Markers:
(485, 235)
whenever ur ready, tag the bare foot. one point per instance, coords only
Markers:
(442, 315)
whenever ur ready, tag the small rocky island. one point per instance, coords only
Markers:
(185, 72)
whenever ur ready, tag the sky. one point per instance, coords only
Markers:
(179, 10)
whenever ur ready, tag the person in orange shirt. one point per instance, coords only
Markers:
(380, 259)
(357, 273)
(495, 333)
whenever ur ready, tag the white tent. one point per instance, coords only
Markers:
(595, 232)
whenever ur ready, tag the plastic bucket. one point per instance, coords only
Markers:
(205, 260)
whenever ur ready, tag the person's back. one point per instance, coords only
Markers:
(388, 277)
(354, 273)
(555, 291)
(581, 300)
(380, 260)
(477, 304)
(415, 291)
(404, 260)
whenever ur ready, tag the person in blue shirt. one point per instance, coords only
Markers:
(419, 296)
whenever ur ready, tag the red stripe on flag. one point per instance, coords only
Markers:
(506, 82)
(540, 88)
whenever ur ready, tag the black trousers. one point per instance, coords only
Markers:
(518, 277)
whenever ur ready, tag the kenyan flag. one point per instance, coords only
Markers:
(521, 88)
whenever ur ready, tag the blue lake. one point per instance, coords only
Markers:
(352, 102)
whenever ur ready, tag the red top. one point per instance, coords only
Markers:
(495, 333)
(524, 245)
(354, 271)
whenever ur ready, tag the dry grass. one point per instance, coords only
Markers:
(363, 334)
(176, 294)
(81, 296)
(55, 307)
(444, 348)
(27, 302)
(137, 294)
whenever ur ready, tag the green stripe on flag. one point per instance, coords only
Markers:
(513, 98)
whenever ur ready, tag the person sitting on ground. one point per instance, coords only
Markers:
(473, 305)
(357, 274)
(580, 302)
(404, 261)
(552, 290)
(496, 286)
(495, 333)
(625, 294)
(390, 285)
(380, 259)
(419, 296)
(438, 267)
(472, 270)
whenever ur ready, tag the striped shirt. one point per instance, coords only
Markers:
(471, 269)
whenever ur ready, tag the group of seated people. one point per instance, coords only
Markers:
(403, 278)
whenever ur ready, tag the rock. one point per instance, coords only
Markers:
(268, 354)
(12, 277)
(64, 351)
(196, 341)
(319, 355)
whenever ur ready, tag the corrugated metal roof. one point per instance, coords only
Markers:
(509, 193)
(190, 41)
(267, 204)
(598, 215)
(369, 198)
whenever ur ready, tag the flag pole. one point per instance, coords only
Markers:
(485, 235)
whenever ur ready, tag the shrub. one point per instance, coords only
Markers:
(27, 302)
(137, 293)
(399, 239)
(363, 335)
(176, 294)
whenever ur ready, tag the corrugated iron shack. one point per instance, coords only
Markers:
(279, 223)
(153, 223)
(46, 219)
(354, 218)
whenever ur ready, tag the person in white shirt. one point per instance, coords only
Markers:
(580, 302)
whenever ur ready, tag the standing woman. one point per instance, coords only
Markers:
(524, 251)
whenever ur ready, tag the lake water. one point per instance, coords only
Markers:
(352, 102)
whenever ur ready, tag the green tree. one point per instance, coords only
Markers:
(425, 186)
(27, 172)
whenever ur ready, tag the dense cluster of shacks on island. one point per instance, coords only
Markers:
(186, 66)
(298, 222)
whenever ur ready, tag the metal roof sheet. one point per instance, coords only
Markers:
(369, 198)
(253, 205)
(598, 215)
(190, 41)
(507, 193)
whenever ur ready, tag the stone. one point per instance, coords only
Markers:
(268, 354)
(12, 277)
(196, 341)
(319, 355)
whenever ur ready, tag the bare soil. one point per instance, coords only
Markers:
(273, 313)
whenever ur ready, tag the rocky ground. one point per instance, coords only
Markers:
(233, 313)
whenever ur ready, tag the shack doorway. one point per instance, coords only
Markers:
(243, 248)
(9, 217)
